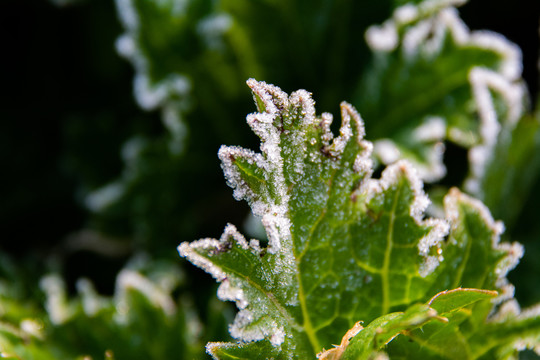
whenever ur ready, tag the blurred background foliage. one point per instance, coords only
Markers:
(107, 160)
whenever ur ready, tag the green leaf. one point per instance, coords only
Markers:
(451, 300)
(384, 329)
(510, 332)
(431, 80)
(342, 246)
(473, 257)
(245, 351)
(501, 337)
(504, 188)
(163, 40)
(141, 320)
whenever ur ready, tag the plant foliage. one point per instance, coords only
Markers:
(350, 250)
(344, 247)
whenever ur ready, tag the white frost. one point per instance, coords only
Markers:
(212, 28)
(57, 306)
(149, 96)
(363, 164)
(484, 81)
(345, 132)
(432, 239)
(278, 337)
(104, 197)
(422, 29)
(230, 288)
(387, 151)
(189, 251)
(242, 330)
(327, 135)
(228, 292)
(433, 128)
(273, 212)
(439, 228)
(129, 279)
(229, 154)
(385, 37)
(91, 301)
(382, 38)
(513, 251)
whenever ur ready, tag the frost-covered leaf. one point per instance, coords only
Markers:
(185, 45)
(473, 257)
(321, 47)
(162, 40)
(342, 246)
(432, 79)
(142, 320)
(512, 170)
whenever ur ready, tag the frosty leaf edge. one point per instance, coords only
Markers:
(410, 28)
(276, 189)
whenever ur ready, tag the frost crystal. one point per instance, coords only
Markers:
(187, 250)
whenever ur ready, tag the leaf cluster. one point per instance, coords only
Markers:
(348, 250)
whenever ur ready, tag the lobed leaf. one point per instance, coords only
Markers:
(343, 246)
(431, 79)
